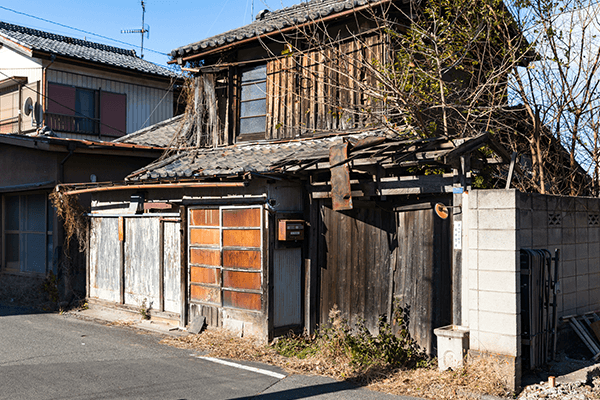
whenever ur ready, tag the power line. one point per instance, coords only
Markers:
(78, 30)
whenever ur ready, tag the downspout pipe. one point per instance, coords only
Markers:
(61, 167)
(45, 89)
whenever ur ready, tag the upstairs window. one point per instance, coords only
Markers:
(253, 103)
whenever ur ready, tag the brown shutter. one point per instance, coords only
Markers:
(113, 114)
(61, 99)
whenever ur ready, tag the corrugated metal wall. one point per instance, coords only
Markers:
(142, 100)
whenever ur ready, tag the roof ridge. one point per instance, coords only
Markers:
(66, 39)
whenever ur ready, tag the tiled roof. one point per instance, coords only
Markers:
(272, 21)
(36, 40)
(242, 158)
(160, 134)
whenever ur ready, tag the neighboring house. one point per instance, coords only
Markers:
(77, 88)
(281, 199)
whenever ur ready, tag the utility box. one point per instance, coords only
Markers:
(291, 230)
(452, 346)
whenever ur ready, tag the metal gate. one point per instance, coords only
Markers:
(539, 277)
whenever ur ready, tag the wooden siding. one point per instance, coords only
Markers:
(146, 105)
(318, 90)
(365, 253)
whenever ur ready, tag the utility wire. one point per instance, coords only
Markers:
(79, 30)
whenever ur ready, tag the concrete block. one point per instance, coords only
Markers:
(473, 299)
(593, 265)
(473, 236)
(472, 221)
(473, 260)
(570, 301)
(473, 279)
(498, 260)
(473, 320)
(595, 298)
(525, 239)
(473, 194)
(594, 234)
(569, 268)
(497, 198)
(593, 250)
(497, 281)
(473, 339)
(554, 237)
(568, 236)
(581, 250)
(523, 201)
(568, 219)
(498, 302)
(505, 219)
(581, 235)
(568, 285)
(594, 280)
(581, 219)
(197, 325)
(539, 202)
(593, 205)
(568, 251)
(582, 267)
(497, 240)
(581, 204)
(560, 307)
(567, 203)
(583, 283)
(524, 219)
(498, 322)
(583, 299)
(540, 238)
(539, 219)
(499, 344)
(553, 203)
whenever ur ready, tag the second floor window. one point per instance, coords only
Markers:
(253, 104)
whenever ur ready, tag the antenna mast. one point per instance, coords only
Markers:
(140, 31)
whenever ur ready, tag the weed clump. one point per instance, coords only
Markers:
(338, 344)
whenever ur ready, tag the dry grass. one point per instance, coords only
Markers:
(480, 376)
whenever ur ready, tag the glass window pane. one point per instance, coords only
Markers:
(254, 91)
(254, 107)
(253, 125)
(255, 74)
(36, 253)
(12, 213)
(12, 247)
(36, 213)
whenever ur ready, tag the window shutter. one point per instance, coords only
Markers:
(113, 114)
(61, 99)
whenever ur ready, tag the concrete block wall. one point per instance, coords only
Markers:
(491, 272)
(571, 224)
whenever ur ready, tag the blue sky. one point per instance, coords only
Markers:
(173, 23)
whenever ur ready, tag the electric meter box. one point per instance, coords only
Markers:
(291, 229)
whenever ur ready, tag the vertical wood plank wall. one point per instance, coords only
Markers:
(362, 247)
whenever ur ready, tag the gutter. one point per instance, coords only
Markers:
(177, 185)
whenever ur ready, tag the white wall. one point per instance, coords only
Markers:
(13, 63)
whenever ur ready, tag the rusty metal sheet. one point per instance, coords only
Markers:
(121, 229)
(241, 237)
(341, 193)
(205, 294)
(368, 141)
(247, 301)
(205, 257)
(242, 259)
(204, 236)
(242, 217)
(204, 217)
(241, 280)
(204, 275)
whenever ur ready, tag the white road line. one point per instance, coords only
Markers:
(240, 366)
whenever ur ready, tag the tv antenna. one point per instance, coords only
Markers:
(145, 29)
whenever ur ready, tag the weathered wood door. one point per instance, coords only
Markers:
(287, 277)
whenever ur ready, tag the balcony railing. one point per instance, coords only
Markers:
(73, 124)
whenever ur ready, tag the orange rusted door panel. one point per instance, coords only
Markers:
(242, 217)
(205, 257)
(205, 275)
(241, 259)
(241, 238)
(204, 217)
(241, 280)
(205, 236)
(248, 301)
(205, 294)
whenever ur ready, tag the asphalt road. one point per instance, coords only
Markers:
(52, 356)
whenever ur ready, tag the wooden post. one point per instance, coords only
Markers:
(122, 259)
(183, 258)
(161, 265)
